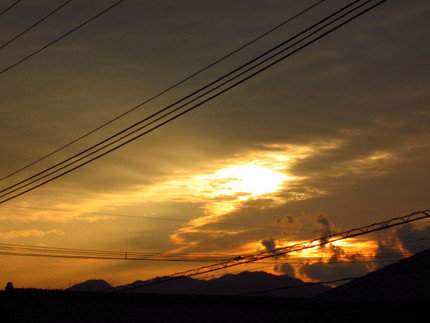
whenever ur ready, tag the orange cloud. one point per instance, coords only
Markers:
(28, 233)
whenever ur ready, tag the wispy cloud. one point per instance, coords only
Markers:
(29, 233)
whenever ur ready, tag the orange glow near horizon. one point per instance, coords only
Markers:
(218, 192)
(345, 249)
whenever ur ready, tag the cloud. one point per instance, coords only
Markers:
(331, 271)
(414, 239)
(28, 233)
(285, 269)
(340, 264)
(269, 244)
(352, 127)
(342, 259)
(387, 251)
(324, 225)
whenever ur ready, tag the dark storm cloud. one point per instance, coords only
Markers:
(340, 265)
(325, 225)
(269, 244)
(414, 239)
(284, 221)
(285, 269)
(387, 252)
(332, 271)
(257, 212)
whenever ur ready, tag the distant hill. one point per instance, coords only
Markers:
(238, 284)
(405, 281)
(395, 293)
(93, 285)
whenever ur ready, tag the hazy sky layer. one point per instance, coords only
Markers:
(332, 138)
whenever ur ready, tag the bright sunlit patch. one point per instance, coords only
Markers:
(251, 180)
(348, 247)
(228, 188)
(342, 251)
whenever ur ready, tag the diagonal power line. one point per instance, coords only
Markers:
(162, 123)
(164, 91)
(35, 24)
(331, 29)
(60, 38)
(56, 252)
(7, 249)
(239, 260)
(10, 7)
(157, 113)
(298, 286)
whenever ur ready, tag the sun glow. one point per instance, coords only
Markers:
(249, 180)
(347, 247)
(346, 251)
(227, 189)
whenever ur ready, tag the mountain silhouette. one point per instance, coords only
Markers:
(395, 293)
(231, 284)
(405, 281)
(93, 285)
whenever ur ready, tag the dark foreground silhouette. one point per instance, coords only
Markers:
(396, 293)
(231, 284)
(61, 306)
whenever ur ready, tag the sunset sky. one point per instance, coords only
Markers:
(332, 138)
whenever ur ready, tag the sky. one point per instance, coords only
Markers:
(332, 138)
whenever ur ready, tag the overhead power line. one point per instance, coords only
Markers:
(61, 37)
(135, 125)
(55, 252)
(240, 260)
(144, 217)
(384, 274)
(179, 114)
(35, 24)
(164, 91)
(10, 7)
(297, 286)
(268, 61)
(7, 249)
(307, 284)
(172, 105)
(259, 268)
